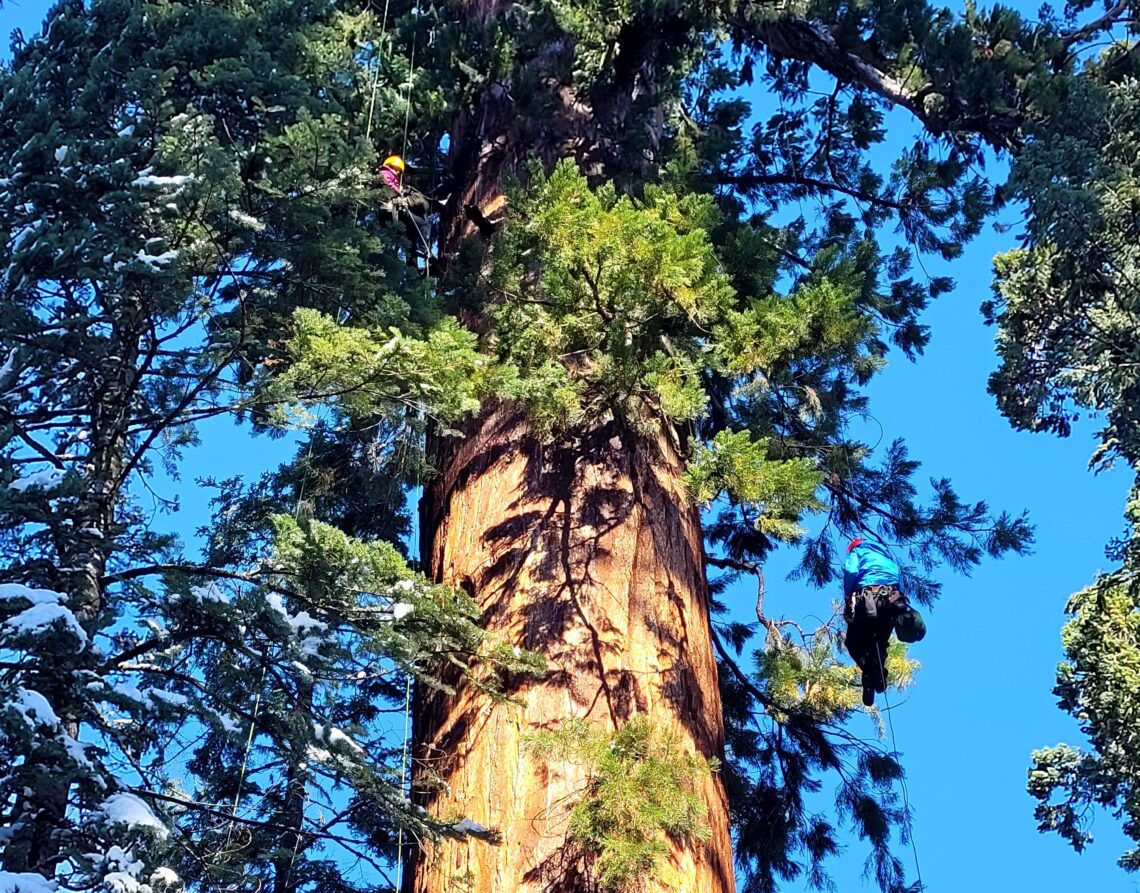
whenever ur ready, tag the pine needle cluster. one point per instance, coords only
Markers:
(640, 792)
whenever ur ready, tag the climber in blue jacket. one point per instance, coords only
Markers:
(874, 606)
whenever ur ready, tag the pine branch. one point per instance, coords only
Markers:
(35, 445)
(752, 180)
(836, 488)
(213, 810)
(154, 570)
(171, 418)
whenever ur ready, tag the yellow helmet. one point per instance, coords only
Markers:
(395, 162)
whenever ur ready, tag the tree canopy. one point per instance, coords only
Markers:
(1065, 303)
(192, 228)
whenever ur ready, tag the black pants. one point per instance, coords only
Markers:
(412, 215)
(870, 621)
(418, 231)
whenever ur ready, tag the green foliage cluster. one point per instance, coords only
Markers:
(306, 659)
(640, 790)
(1066, 306)
(189, 229)
(776, 493)
(365, 372)
(809, 677)
(601, 300)
(1099, 684)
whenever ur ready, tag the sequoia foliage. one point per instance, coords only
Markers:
(192, 229)
(1066, 304)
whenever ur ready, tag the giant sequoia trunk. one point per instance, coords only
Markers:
(585, 550)
(588, 552)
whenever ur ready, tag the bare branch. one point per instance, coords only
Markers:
(748, 567)
(1113, 16)
(740, 674)
(804, 41)
(41, 450)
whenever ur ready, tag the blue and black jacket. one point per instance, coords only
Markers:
(869, 564)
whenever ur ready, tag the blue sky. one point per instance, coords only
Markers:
(966, 751)
(965, 737)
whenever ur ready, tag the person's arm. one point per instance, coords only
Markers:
(852, 571)
(416, 202)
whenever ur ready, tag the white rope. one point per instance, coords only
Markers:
(404, 778)
(245, 758)
(411, 80)
(902, 778)
(376, 72)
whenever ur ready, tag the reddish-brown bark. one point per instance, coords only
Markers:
(585, 550)
(588, 552)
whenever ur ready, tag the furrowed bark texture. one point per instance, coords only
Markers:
(589, 553)
(585, 550)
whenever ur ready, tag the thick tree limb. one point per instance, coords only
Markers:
(1113, 16)
(810, 42)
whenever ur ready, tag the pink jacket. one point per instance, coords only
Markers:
(391, 179)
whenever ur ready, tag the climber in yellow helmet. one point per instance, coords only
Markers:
(408, 206)
(392, 172)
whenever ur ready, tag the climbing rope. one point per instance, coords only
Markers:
(245, 758)
(257, 702)
(297, 840)
(407, 121)
(376, 77)
(410, 83)
(304, 480)
(902, 778)
(404, 755)
(404, 760)
(404, 777)
(376, 72)
(411, 80)
(405, 763)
